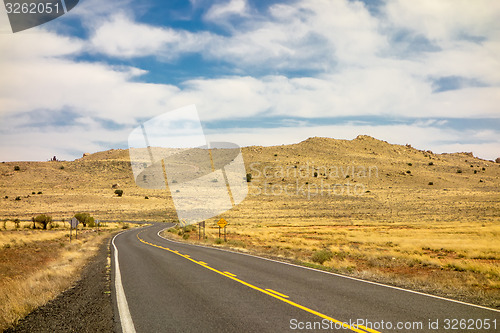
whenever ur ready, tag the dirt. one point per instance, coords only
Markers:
(85, 307)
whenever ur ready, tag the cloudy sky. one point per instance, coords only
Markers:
(259, 72)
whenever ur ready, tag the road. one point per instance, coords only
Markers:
(166, 286)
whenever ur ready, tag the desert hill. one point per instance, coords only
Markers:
(363, 207)
(386, 177)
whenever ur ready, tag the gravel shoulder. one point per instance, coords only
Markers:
(85, 307)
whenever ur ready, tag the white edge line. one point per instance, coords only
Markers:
(123, 310)
(335, 274)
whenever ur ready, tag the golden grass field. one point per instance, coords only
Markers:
(37, 265)
(383, 212)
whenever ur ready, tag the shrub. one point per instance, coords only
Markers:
(6, 197)
(408, 171)
(431, 163)
(431, 183)
(43, 219)
(39, 192)
(125, 226)
(475, 171)
(275, 154)
(410, 164)
(185, 236)
(119, 192)
(85, 219)
(459, 171)
(321, 256)
(61, 167)
(17, 222)
(249, 177)
(218, 241)
(18, 198)
(33, 192)
(146, 197)
(17, 168)
(315, 174)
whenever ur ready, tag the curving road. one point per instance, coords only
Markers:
(165, 286)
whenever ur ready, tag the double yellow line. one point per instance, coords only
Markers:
(270, 292)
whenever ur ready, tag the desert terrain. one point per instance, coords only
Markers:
(362, 207)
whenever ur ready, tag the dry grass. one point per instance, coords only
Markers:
(21, 238)
(42, 267)
(414, 220)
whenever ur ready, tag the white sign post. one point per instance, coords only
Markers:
(73, 224)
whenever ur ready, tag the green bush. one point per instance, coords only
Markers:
(321, 256)
(43, 219)
(218, 241)
(17, 168)
(85, 219)
(146, 197)
(459, 171)
(18, 198)
(431, 183)
(119, 192)
(125, 226)
(431, 163)
(249, 177)
(185, 236)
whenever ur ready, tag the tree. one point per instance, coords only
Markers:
(119, 192)
(85, 219)
(43, 219)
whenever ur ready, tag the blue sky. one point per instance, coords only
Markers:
(260, 73)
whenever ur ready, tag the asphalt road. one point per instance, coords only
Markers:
(174, 287)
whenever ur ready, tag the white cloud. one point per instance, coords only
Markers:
(446, 20)
(346, 52)
(121, 37)
(219, 12)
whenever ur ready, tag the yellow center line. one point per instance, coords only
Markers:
(283, 298)
(277, 293)
(230, 274)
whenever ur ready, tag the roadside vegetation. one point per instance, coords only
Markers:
(36, 264)
(457, 260)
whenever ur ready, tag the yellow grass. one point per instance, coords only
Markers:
(19, 295)
(417, 221)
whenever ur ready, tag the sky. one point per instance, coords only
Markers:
(425, 73)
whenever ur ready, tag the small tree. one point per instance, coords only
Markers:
(119, 192)
(249, 177)
(43, 219)
(85, 219)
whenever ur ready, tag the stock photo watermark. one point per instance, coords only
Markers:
(204, 178)
(26, 14)
(310, 180)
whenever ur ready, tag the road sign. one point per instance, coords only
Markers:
(222, 223)
(74, 222)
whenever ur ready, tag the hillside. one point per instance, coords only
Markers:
(387, 182)
(361, 207)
